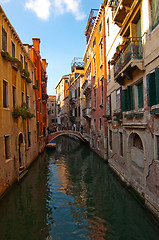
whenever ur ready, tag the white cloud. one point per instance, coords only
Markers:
(62, 6)
(4, 1)
(40, 7)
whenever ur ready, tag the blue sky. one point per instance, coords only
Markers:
(60, 24)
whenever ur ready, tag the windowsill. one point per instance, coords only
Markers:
(155, 107)
(7, 109)
(8, 160)
(140, 110)
(101, 65)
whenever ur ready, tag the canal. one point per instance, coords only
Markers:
(69, 194)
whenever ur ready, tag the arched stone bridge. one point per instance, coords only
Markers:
(54, 135)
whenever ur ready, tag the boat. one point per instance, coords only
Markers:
(51, 145)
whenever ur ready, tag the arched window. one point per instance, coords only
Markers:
(137, 142)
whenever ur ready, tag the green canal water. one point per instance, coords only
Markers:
(69, 194)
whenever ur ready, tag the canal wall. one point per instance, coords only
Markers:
(138, 170)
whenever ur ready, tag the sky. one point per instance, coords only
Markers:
(60, 25)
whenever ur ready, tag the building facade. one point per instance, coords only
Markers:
(75, 94)
(133, 139)
(60, 110)
(95, 82)
(51, 111)
(40, 86)
(18, 135)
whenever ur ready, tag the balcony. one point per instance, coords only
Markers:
(77, 63)
(72, 100)
(87, 86)
(127, 59)
(87, 113)
(120, 8)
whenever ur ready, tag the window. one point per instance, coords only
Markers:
(25, 64)
(94, 65)
(41, 130)
(94, 98)
(79, 111)
(28, 102)
(14, 97)
(118, 100)
(155, 13)
(21, 59)
(78, 91)
(127, 99)
(108, 110)
(23, 98)
(4, 40)
(110, 139)
(100, 123)
(94, 124)
(121, 143)
(37, 84)
(101, 53)
(40, 107)
(94, 42)
(66, 81)
(99, 27)
(153, 87)
(44, 131)
(109, 72)
(52, 104)
(102, 93)
(38, 128)
(157, 147)
(13, 50)
(137, 142)
(33, 77)
(29, 139)
(140, 95)
(5, 94)
(108, 33)
(7, 146)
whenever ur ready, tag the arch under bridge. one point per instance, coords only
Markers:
(54, 135)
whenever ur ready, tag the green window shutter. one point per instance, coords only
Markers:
(98, 27)
(140, 95)
(151, 89)
(157, 84)
(124, 100)
(130, 98)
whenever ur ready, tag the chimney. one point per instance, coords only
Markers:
(36, 44)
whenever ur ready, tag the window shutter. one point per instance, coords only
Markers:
(157, 84)
(151, 89)
(124, 100)
(130, 98)
(140, 95)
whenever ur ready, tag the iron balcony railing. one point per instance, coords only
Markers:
(87, 112)
(87, 85)
(131, 51)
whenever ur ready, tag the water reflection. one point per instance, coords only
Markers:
(71, 194)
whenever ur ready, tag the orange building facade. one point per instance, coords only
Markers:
(95, 83)
(41, 92)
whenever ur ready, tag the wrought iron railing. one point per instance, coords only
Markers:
(132, 50)
(87, 112)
